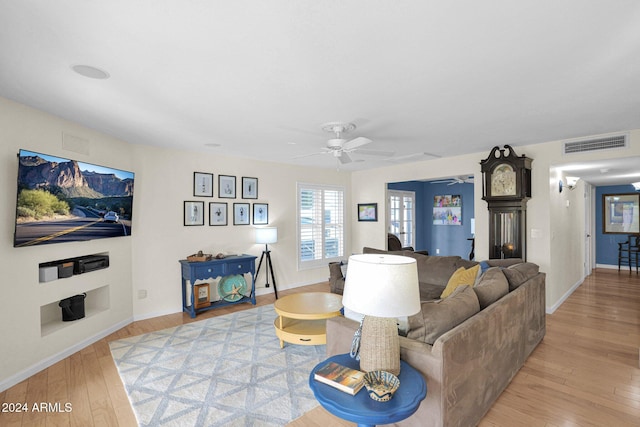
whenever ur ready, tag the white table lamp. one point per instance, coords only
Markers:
(382, 288)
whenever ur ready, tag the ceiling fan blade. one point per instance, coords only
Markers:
(344, 158)
(417, 156)
(376, 153)
(309, 155)
(356, 142)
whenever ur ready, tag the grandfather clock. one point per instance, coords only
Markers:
(506, 186)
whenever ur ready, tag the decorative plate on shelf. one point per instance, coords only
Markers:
(232, 288)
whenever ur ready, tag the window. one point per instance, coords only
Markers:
(320, 224)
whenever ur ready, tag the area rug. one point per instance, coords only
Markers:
(223, 371)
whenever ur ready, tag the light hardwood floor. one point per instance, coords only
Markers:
(584, 373)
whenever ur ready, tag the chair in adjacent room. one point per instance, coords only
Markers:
(629, 253)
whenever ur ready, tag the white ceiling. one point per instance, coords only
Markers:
(259, 78)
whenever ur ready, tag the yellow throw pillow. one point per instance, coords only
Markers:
(461, 277)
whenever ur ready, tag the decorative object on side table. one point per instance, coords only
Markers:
(381, 288)
(341, 377)
(266, 235)
(232, 288)
(201, 296)
(361, 408)
(381, 385)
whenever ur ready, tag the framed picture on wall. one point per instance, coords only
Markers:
(260, 214)
(621, 213)
(217, 213)
(367, 211)
(447, 209)
(193, 213)
(240, 213)
(249, 188)
(202, 184)
(226, 187)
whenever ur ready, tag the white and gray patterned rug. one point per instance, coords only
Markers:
(223, 371)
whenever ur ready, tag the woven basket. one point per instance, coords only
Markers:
(380, 345)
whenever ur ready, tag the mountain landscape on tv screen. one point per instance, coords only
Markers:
(65, 200)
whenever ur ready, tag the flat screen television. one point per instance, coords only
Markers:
(61, 200)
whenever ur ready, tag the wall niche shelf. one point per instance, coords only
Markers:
(97, 301)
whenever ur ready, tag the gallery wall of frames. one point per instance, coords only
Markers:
(222, 212)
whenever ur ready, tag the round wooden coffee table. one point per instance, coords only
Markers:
(302, 317)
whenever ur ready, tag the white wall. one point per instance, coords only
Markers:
(164, 180)
(146, 260)
(555, 233)
(23, 349)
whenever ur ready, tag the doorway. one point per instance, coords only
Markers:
(401, 214)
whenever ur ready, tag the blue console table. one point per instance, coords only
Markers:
(201, 270)
(361, 408)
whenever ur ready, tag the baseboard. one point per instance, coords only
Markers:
(146, 316)
(553, 308)
(52, 360)
(607, 266)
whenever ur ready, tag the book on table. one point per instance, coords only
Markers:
(341, 377)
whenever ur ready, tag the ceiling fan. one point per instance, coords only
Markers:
(461, 179)
(340, 147)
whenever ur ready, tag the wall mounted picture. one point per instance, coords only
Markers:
(217, 213)
(621, 213)
(367, 211)
(193, 213)
(249, 188)
(202, 184)
(447, 209)
(260, 214)
(240, 213)
(226, 187)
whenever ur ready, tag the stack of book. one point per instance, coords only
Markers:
(341, 377)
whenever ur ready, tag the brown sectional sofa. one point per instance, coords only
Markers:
(498, 323)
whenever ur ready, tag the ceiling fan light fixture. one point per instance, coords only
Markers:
(572, 181)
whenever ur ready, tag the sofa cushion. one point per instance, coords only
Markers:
(491, 286)
(517, 274)
(462, 276)
(437, 317)
(436, 269)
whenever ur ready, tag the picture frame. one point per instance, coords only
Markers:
(202, 184)
(226, 187)
(260, 214)
(218, 213)
(368, 212)
(447, 209)
(193, 213)
(201, 295)
(621, 213)
(249, 187)
(241, 213)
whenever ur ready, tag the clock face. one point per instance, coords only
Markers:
(503, 181)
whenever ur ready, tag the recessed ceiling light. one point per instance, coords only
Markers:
(91, 72)
(212, 145)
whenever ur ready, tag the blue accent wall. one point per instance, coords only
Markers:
(450, 239)
(607, 244)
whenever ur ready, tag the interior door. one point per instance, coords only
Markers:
(401, 216)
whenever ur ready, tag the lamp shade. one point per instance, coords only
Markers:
(266, 235)
(382, 285)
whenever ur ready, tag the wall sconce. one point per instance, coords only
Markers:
(636, 185)
(572, 181)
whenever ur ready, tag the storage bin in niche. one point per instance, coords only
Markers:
(72, 307)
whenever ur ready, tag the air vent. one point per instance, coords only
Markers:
(597, 144)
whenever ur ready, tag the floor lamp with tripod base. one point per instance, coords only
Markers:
(267, 235)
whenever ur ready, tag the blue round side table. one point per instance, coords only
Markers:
(361, 408)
